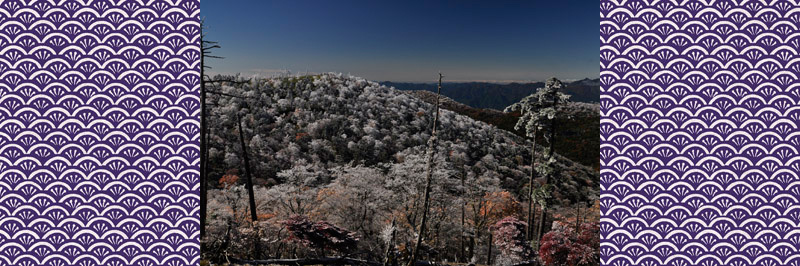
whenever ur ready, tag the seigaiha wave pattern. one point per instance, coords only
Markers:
(699, 133)
(99, 121)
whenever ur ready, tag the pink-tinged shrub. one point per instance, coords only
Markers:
(320, 235)
(509, 237)
(563, 246)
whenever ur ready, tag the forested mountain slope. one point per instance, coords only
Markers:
(319, 122)
(578, 139)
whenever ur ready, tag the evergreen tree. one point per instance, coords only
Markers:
(539, 111)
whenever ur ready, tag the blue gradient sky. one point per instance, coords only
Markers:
(407, 40)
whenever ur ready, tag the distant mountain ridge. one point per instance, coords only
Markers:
(498, 96)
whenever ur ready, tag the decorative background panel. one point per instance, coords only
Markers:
(99, 132)
(699, 132)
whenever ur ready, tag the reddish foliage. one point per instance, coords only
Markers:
(509, 236)
(228, 180)
(320, 235)
(265, 216)
(563, 246)
(500, 204)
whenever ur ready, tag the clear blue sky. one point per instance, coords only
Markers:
(407, 40)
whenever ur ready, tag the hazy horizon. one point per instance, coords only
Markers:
(445, 80)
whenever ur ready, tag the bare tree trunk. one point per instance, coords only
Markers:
(550, 154)
(247, 174)
(413, 216)
(203, 143)
(541, 226)
(205, 51)
(578, 219)
(531, 223)
(531, 205)
(471, 252)
(463, 219)
(205, 170)
(478, 224)
(279, 250)
(428, 179)
(489, 252)
(436, 236)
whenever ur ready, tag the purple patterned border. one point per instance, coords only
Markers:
(699, 132)
(99, 132)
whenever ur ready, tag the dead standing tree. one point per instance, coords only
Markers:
(428, 179)
(242, 142)
(205, 53)
(247, 172)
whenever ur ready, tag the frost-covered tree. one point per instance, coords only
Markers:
(538, 112)
(357, 199)
(298, 194)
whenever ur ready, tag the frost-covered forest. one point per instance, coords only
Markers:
(338, 167)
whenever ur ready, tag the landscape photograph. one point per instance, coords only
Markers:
(400, 133)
